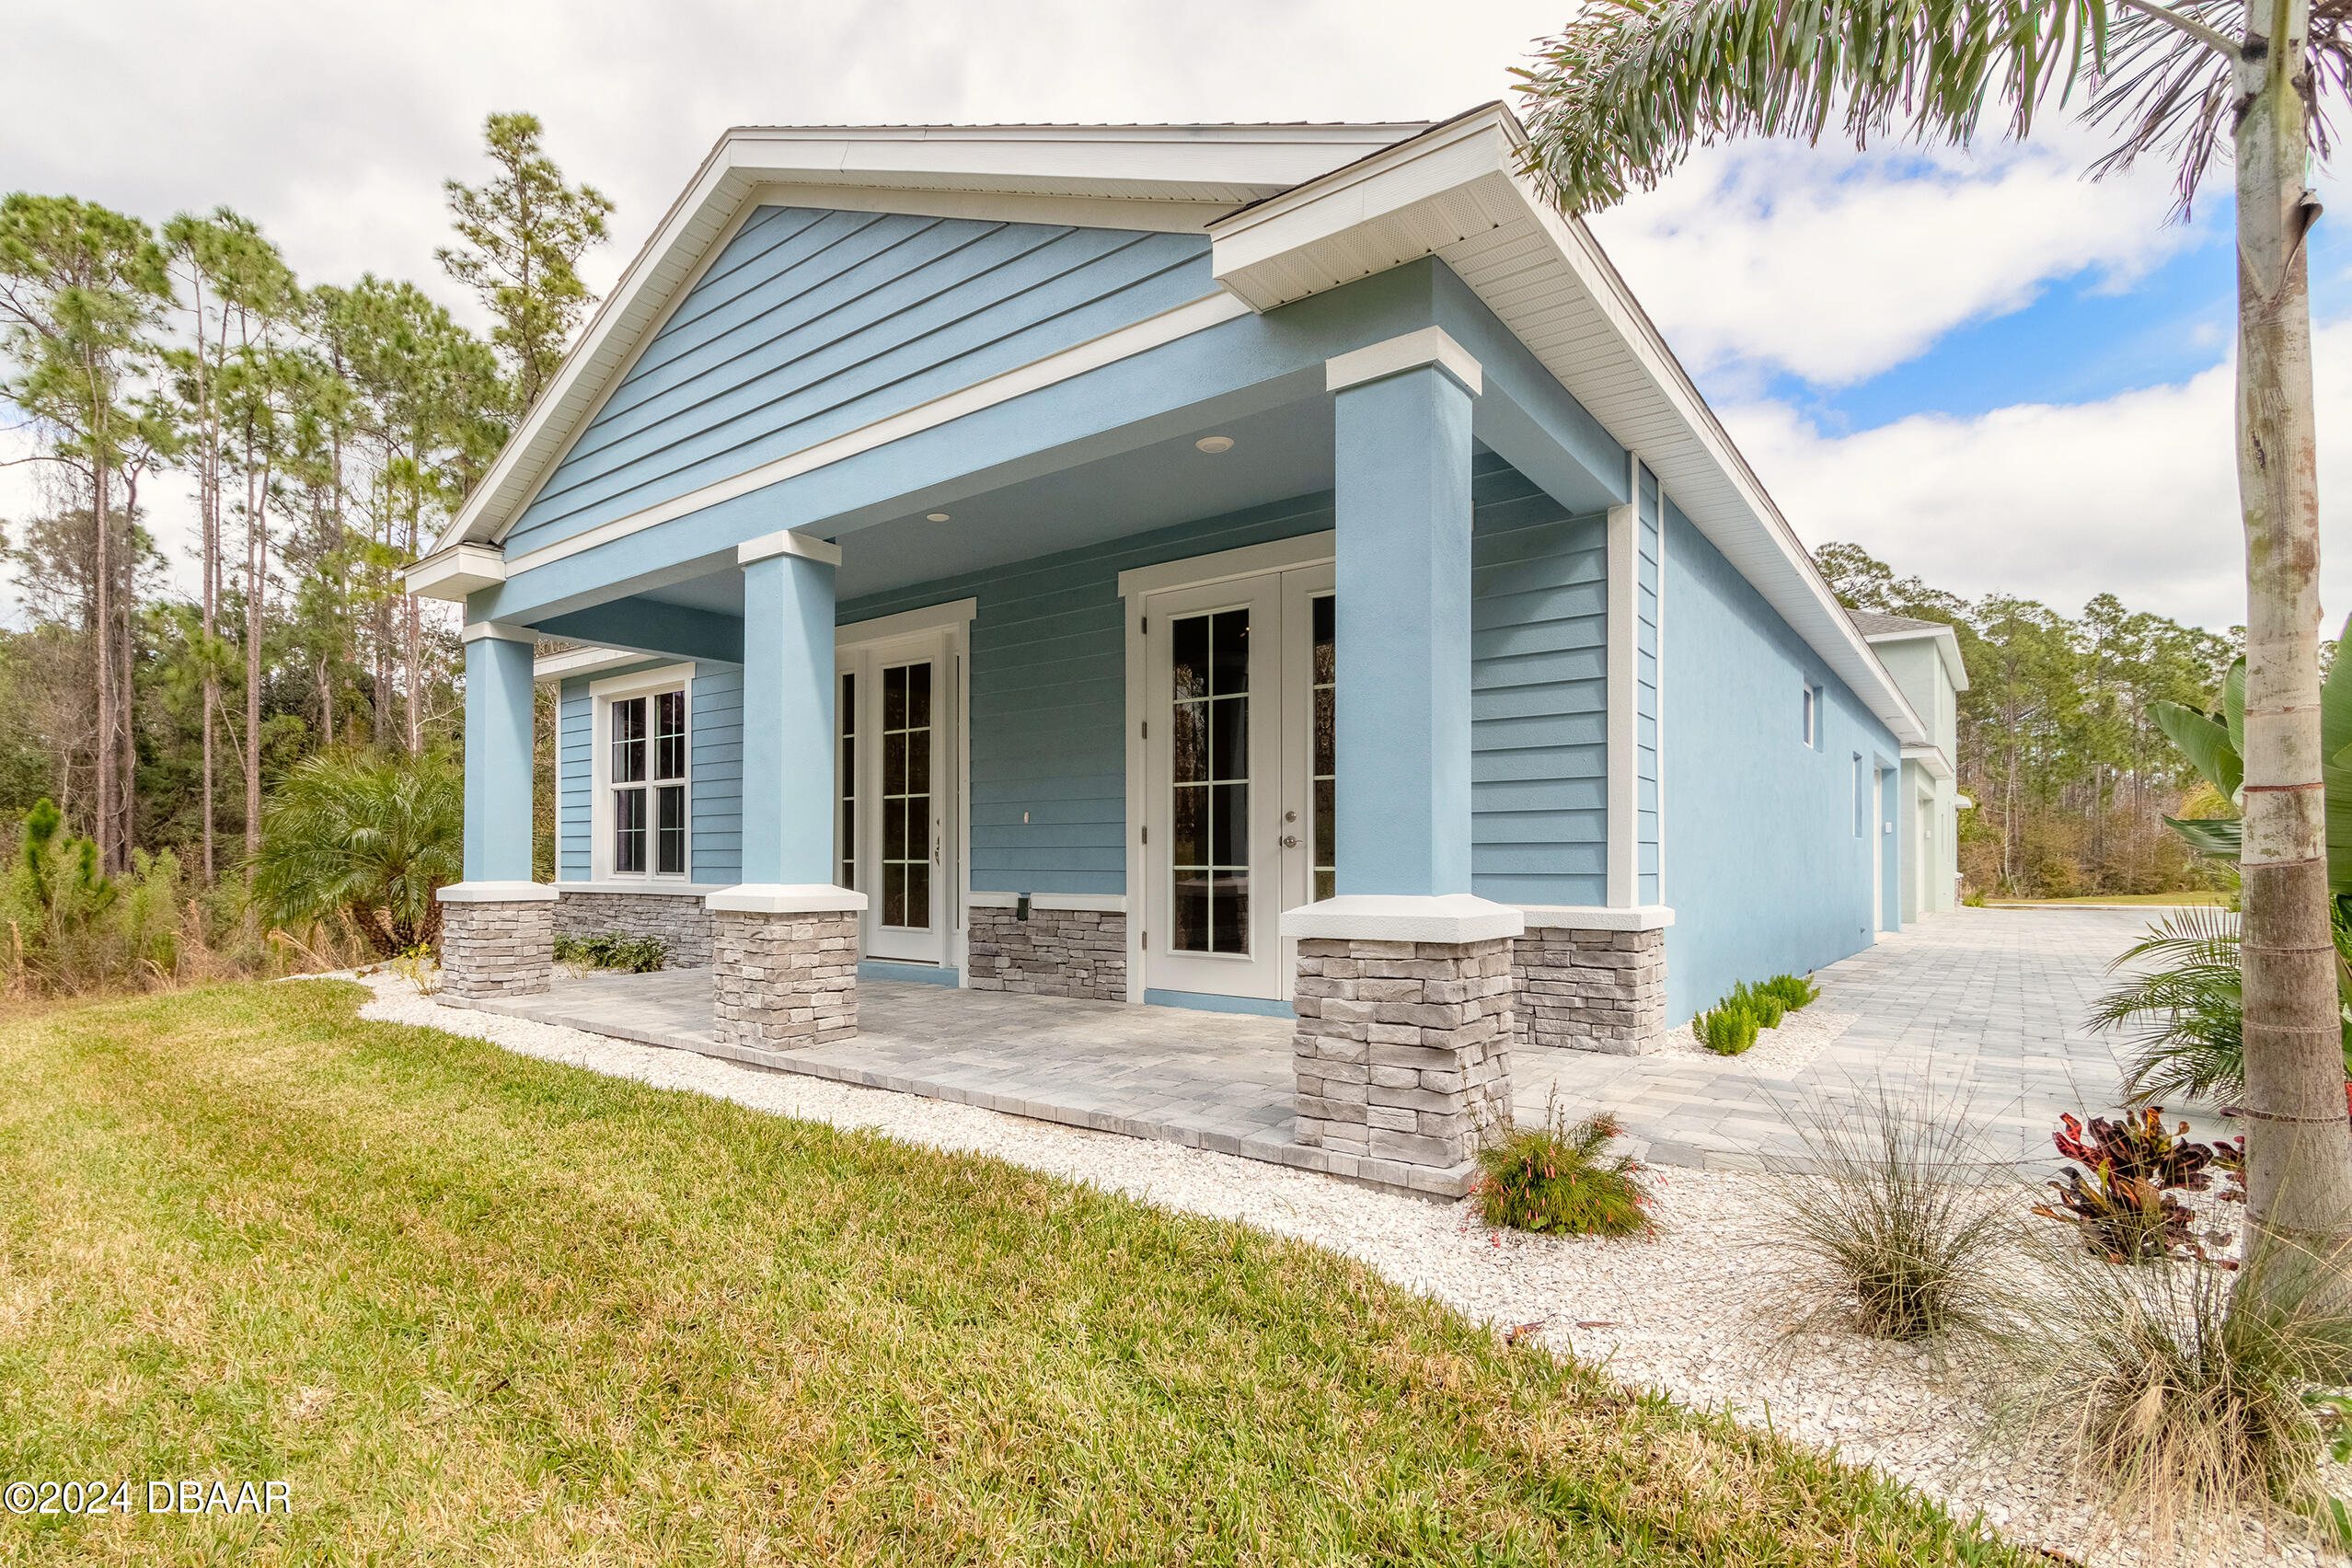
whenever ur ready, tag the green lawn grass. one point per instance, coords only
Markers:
(476, 1307)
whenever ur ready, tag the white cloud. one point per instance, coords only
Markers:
(2134, 495)
(1835, 266)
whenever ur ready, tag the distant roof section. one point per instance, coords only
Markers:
(1877, 628)
(1870, 623)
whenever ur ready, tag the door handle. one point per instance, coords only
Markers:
(1289, 841)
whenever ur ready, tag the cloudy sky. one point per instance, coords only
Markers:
(1980, 366)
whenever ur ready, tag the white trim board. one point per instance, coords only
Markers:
(583, 661)
(1101, 903)
(1622, 723)
(1210, 310)
(624, 886)
(954, 617)
(1249, 561)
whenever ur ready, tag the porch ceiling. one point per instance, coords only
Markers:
(1278, 454)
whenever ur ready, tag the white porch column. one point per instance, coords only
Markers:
(784, 942)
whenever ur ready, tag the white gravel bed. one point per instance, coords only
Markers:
(1701, 1311)
(1779, 1053)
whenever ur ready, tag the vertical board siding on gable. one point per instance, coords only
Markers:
(1539, 696)
(1646, 837)
(813, 323)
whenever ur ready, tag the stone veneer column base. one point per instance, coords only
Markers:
(497, 939)
(1403, 1050)
(784, 979)
(1592, 990)
(1054, 952)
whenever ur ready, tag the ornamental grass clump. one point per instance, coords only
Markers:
(1558, 1180)
(2183, 1396)
(1890, 1220)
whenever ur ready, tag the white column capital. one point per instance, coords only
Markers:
(1404, 917)
(498, 893)
(824, 552)
(1429, 346)
(785, 898)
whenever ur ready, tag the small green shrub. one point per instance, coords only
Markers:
(1728, 1027)
(1793, 991)
(1555, 1181)
(1765, 1004)
(631, 955)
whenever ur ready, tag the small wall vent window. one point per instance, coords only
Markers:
(1812, 715)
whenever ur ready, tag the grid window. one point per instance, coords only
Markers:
(1209, 854)
(907, 796)
(648, 759)
(1326, 769)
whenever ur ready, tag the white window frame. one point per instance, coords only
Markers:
(601, 696)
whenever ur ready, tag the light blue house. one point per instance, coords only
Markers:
(1269, 569)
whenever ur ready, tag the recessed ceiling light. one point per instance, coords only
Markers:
(1213, 444)
(936, 516)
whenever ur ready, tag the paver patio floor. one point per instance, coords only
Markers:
(1979, 1011)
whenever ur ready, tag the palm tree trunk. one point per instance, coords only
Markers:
(2299, 1143)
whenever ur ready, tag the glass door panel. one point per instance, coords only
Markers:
(907, 845)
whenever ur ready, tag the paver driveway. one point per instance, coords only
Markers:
(1978, 1009)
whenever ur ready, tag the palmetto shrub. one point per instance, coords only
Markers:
(367, 836)
(1558, 1180)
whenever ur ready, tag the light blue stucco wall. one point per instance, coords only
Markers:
(810, 324)
(1768, 845)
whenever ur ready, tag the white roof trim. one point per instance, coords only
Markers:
(1456, 192)
(1201, 171)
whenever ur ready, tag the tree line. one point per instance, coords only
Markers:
(2070, 775)
(323, 435)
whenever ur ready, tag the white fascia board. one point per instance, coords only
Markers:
(453, 574)
(583, 661)
(1210, 168)
(1458, 187)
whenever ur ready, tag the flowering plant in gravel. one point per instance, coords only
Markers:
(1558, 1180)
(2119, 1195)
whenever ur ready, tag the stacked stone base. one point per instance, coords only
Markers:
(1054, 952)
(1591, 990)
(678, 919)
(784, 980)
(490, 951)
(1402, 1055)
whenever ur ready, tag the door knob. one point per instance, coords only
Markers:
(1290, 841)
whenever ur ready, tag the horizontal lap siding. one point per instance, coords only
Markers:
(1539, 696)
(813, 323)
(1049, 695)
(715, 734)
(574, 775)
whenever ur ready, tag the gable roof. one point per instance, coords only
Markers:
(1290, 211)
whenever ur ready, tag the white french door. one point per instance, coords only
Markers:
(1238, 733)
(895, 776)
